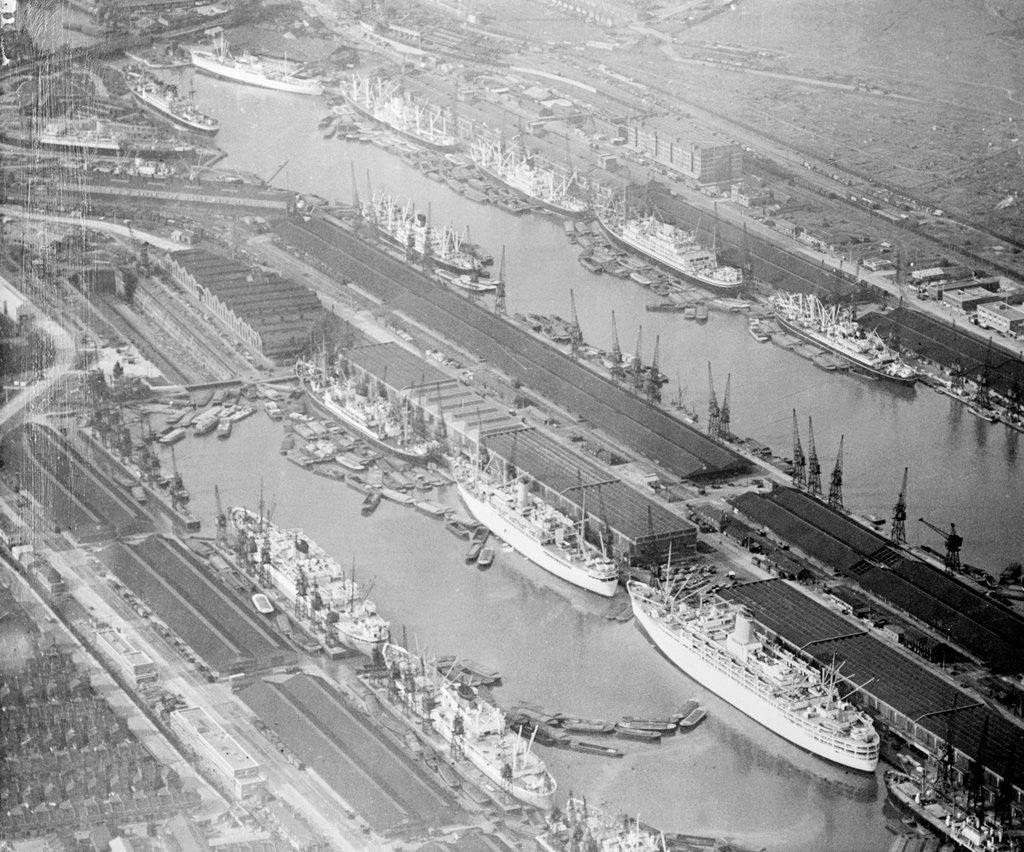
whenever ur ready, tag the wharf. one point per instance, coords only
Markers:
(637, 425)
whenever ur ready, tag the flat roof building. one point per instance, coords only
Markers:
(134, 663)
(218, 749)
(1001, 317)
(970, 298)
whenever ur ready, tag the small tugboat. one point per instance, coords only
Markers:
(370, 503)
(485, 558)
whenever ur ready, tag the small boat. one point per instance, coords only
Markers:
(262, 603)
(287, 443)
(448, 775)
(663, 725)
(485, 558)
(224, 428)
(638, 734)
(692, 719)
(593, 748)
(702, 312)
(757, 331)
(370, 503)
(458, 528)
(473, 554)
(587, 726)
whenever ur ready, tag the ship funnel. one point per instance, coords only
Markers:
(522, 494)
(743, 633)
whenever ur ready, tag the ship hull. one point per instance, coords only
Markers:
(678, 649)
(339, 414)
(569, 212)
(209, 64)
(531, 549)
(406, 134)
(858, 366)
(451, 266)
(175, 119)
(715, 287)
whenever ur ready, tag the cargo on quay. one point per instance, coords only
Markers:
(471, 726)
(311, 581)
(539, 532)
(386, 103)
(282, 75)
(412, 231)
(716, 643)
(373, 419)
(670, 247)
(163, 99)
(527, 175)
(834, 329)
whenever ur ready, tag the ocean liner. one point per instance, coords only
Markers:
(538, 531)
(283, 75)
(470, 726)
(163, 99)
(373, 419)
(671, 247)
(408, 229)
(834, 329)
(385, 102)
(311, 581)
(537, 182)
(716, 644)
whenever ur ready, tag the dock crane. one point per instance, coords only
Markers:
(799, 460)
(179, 494)
(636, 368)
(277, 171)
(899, 514)
(954, 542)
(222, 519)
(813, 465)
(724, 413)
(652, 386)
(835, 490)
(714, 412)
(618, 373)
(575, 332)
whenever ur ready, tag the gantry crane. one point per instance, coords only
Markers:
(835, 490)
(714, 412)
(954, 542)
(799, 460)
(899, 514)
(222, 519)
(813, 465)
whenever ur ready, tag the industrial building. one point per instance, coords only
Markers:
(702, 163)
(218, 749)
(969, 298)
(638, 526)
(272, 315)
(1001, 317)
(135, 664)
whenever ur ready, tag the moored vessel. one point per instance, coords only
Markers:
(582, 825)
(373, 419)
(163, 99)
(717, 644)
(538, 182)
(834, 329)
(472, 727)
(671, 247)
(538, 531)
(282, 75)
(385, 101)
(310, 580)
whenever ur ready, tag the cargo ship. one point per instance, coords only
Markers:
(386, 103)
(834, 329)
(670, 247)
(914, 794)
(373, 419)
(310, 580)
(528, 176)
(282, 75)
(163, 99)
(412, 232)
(717, 644)
(470, 726)
(100, 138)
(583, 825)
(538, 531)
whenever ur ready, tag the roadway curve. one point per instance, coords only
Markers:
(635, 424)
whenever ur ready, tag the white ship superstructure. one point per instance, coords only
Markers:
(539, 532)
(311, 581)
(386, 102)
(718, 645)
(581, 825)
(473, 728)
(671, 247)
(412, 231)
(834, 329)
(527, 175)
(283, 75)
(163, 98)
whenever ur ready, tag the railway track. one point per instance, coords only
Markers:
(634, 423)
